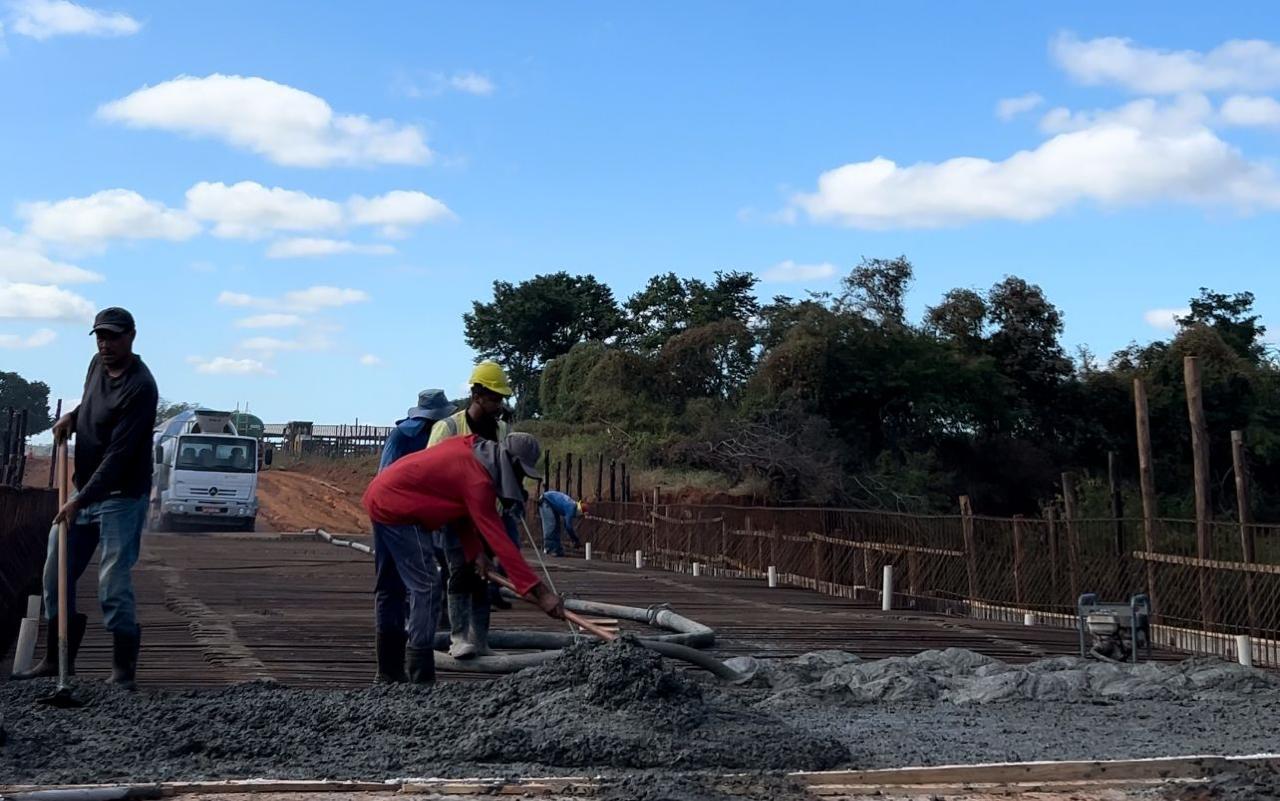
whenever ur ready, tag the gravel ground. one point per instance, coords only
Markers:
(618, 709)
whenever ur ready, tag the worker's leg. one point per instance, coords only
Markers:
(458, 595)
(389, 596)
(573, 535)
(442, 566)
(120, 522)
(417, 567)
(550, 530)
(81, 543)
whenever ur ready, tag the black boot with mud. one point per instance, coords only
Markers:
(389, 649)
(48, 667)
(124, 659)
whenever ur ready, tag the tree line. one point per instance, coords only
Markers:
(839, 398)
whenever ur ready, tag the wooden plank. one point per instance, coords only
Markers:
(1208, 564)
(1194, 767)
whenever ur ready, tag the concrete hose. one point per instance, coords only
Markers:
(685, 636)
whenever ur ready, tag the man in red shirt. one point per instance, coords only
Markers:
(460, 483)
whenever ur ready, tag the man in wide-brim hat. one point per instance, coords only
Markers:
(408, 579)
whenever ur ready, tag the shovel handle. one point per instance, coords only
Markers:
(572, 617)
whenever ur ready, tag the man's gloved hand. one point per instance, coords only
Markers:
(548, 601)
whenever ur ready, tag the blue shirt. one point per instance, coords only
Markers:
(410, 436)
(563, 505)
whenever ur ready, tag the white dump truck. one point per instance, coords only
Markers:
(206, 473)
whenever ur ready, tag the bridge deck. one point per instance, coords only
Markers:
(219, 609)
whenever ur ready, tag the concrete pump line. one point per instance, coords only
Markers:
(686, 637)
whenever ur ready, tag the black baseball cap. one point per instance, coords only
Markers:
(114, 319)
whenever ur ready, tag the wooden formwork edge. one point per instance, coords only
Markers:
(1059, 773)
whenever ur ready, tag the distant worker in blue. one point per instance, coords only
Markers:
(558, 512)
(407, 576)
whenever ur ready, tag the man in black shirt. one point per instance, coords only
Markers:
(113, 457)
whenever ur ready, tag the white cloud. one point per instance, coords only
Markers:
(1110, 163)
(309, 248)
(21, 260)
(241, 300)
(225, 365)
(1245, 111)
(110, 214)
(437, 83)
(43, 19)
(396, 210)
(300, 301)
(274, 320)
(38, 339)
(285, 125)
(473, 83)
(1010, 107)
(323, 297)
(1165, 319)
(788, 271)
(42, 302)
(369, 360)
(1188, 112)
(1236, 65)
(248, 210)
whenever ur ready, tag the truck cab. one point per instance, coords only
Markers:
(206, 473)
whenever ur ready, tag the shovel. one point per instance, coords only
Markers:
(572, 617)
(62, 697)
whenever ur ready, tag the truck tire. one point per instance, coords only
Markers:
(249, 524)
(162, 522)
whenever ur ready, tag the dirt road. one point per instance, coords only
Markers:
(292, 500)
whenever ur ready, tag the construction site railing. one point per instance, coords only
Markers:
(986, 567)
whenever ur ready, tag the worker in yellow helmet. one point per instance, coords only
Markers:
(483, 415)
(469, 597)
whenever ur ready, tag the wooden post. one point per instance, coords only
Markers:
(559, 486)
(613, 480)
(1019, 596)
(1055, 564)
(1147, 480)
(970, 548)
(724, 540)
(1200, 462)
(600, 477)
(53, 461)
(568, 475)
(1073, 541)
(546, 468)
(775, 545)
(622, 481)
(582, 492)
(1245, 514)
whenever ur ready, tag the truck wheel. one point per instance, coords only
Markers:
(248, 524)
(162, 522)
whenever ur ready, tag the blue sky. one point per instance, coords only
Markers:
(299, 200)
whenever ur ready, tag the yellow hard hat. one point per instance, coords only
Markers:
(490, 376)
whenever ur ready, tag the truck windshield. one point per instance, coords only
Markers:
(217, 454)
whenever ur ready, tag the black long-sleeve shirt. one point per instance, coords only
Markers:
(114, 422)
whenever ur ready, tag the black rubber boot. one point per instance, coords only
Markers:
(124, 659)
(389, 649)
(49, 665)
(422, 665)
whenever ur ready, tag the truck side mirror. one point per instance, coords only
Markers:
(266, 456)
(159, 455)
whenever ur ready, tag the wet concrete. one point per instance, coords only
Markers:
(615, 706)
(649, 727)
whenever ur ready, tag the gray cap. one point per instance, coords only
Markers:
(113, 319)
(526, 451)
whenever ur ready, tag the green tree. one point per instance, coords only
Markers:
(528, 324)
(960, 318)
(877, 289)
(1231, 316)
(670, 305)
(18, 393)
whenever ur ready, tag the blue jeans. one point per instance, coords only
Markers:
(406, 570)
(117, 524)
(551, 523)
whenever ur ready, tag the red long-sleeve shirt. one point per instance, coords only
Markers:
(447, 485)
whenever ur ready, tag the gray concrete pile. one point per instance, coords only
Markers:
(962, 677)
